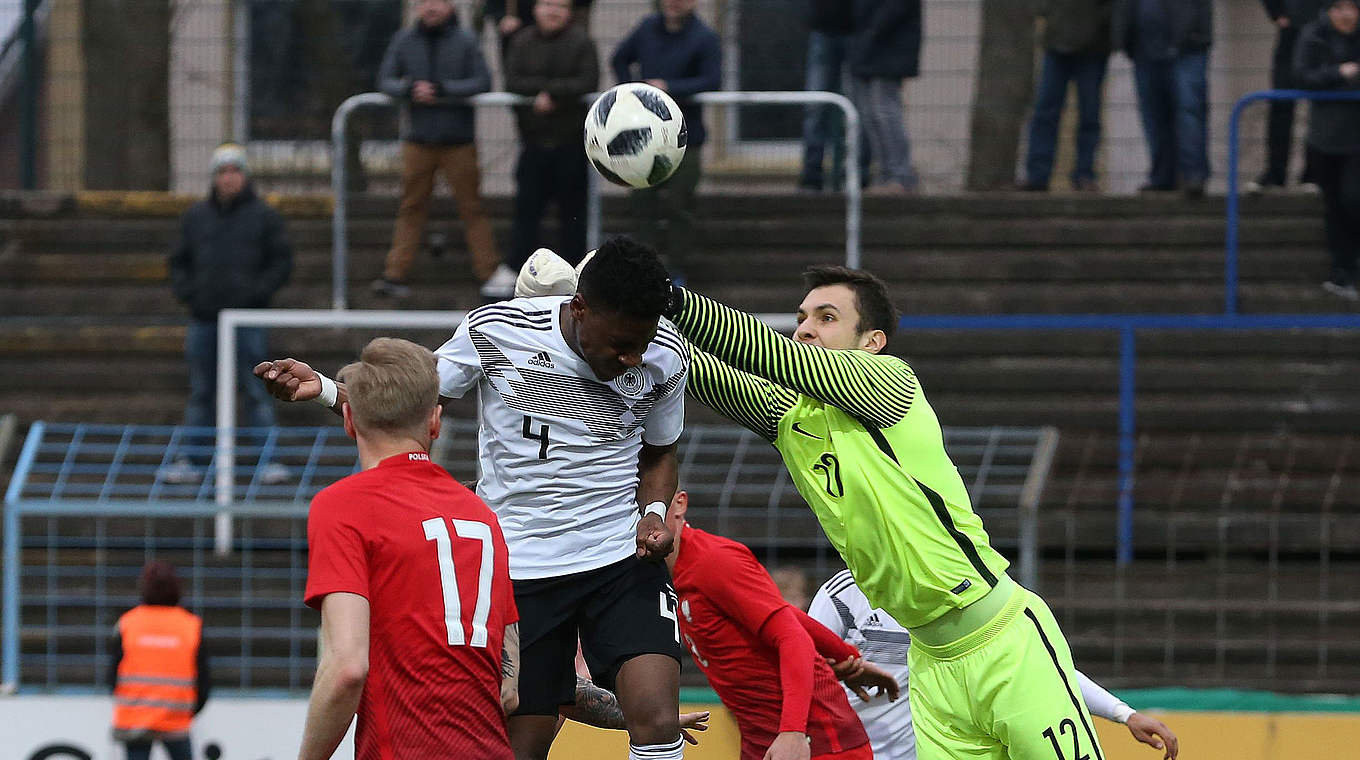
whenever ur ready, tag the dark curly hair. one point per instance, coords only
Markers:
(159, 585)
(876, 311)
(626, 277)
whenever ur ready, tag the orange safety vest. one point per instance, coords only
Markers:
(157, 678)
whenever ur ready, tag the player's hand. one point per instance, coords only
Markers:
(1155, 734)
(654, 541)
(789, 745)
(289, 380)
(509, 698)
(695, 721)
(847, 668)
(874, 677)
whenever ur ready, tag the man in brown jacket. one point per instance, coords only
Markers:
(555, 63)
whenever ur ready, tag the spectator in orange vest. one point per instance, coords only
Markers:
(160, 673)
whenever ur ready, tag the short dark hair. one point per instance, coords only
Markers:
(626, 277)
(159, 585)
(876, 311)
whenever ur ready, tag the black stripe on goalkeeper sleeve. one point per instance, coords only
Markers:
(874, 388)
(755, 403)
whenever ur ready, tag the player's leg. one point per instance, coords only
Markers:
(1029, 696)
(138, 750)
(178, 749)
(631, 642)
(941, 712)
(547, 655)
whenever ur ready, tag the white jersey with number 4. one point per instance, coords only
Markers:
(842, 607)
(558, 447)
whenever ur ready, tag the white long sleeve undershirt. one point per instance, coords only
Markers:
(1102, 703)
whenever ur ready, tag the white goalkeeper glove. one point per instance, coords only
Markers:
(545, 274)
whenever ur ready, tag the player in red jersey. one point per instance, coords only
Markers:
(410, 571)
(766, 658)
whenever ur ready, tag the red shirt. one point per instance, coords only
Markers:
(726, 597)
(429, 557)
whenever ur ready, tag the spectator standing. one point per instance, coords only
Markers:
(829, 25)
(885, 48)
(510, 16)
(1328, 58)
(426, 64)
(676, 52)
(1168, 41)
(1289, 17)
(555, 62)
(1076, 48)
(232, 253)
(160, 672)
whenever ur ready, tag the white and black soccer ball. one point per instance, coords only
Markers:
(635, 135)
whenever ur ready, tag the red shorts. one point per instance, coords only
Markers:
(862, 752)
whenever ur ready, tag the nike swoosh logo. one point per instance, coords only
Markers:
(801, 431)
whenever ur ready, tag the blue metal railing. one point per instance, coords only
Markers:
(1230, 269)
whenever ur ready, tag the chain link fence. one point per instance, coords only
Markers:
(135, 95)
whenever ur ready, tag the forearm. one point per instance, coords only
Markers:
(1102, 703)
(510, 657)
(658, 474)
(332, 706)
(594, 706)
(755, 403)
(875, 389)
(783, 633)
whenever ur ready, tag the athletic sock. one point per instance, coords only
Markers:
(670, 751)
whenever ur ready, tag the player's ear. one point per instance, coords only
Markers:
(679, 505)
(348, 414)
(436, 420)
(873, 341)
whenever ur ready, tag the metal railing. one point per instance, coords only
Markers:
(339, 168)
(1233, 210)
(1128, 325)
(89, 505)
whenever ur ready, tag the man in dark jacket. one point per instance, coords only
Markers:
(1328, 58)
(885, 48)
(678, 53)
(1289, 16)
(426, 64)
(1076, 47)
(554, 62)
(233, 253)
(829, 26)
(1168, 41)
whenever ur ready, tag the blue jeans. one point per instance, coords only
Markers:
(824, 124)
(1059, 69)
(1173, 99)
(200, 350)
(879, 101)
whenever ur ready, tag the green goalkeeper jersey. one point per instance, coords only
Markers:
(864, 449)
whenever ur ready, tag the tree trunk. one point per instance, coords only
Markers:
(1005, 88)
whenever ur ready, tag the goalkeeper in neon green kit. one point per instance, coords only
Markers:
(991, 674)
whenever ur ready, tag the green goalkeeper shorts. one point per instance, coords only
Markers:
(1006, 690)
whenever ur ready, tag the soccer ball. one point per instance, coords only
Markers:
(635, 135)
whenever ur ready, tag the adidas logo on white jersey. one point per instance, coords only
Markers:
(541, 359)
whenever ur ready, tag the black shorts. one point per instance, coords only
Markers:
(619, 611)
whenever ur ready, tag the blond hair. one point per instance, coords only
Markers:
(392, 387)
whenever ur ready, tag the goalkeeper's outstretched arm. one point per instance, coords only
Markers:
(877, 389)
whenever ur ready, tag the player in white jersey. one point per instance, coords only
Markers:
(841, 606)
(581, 401)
